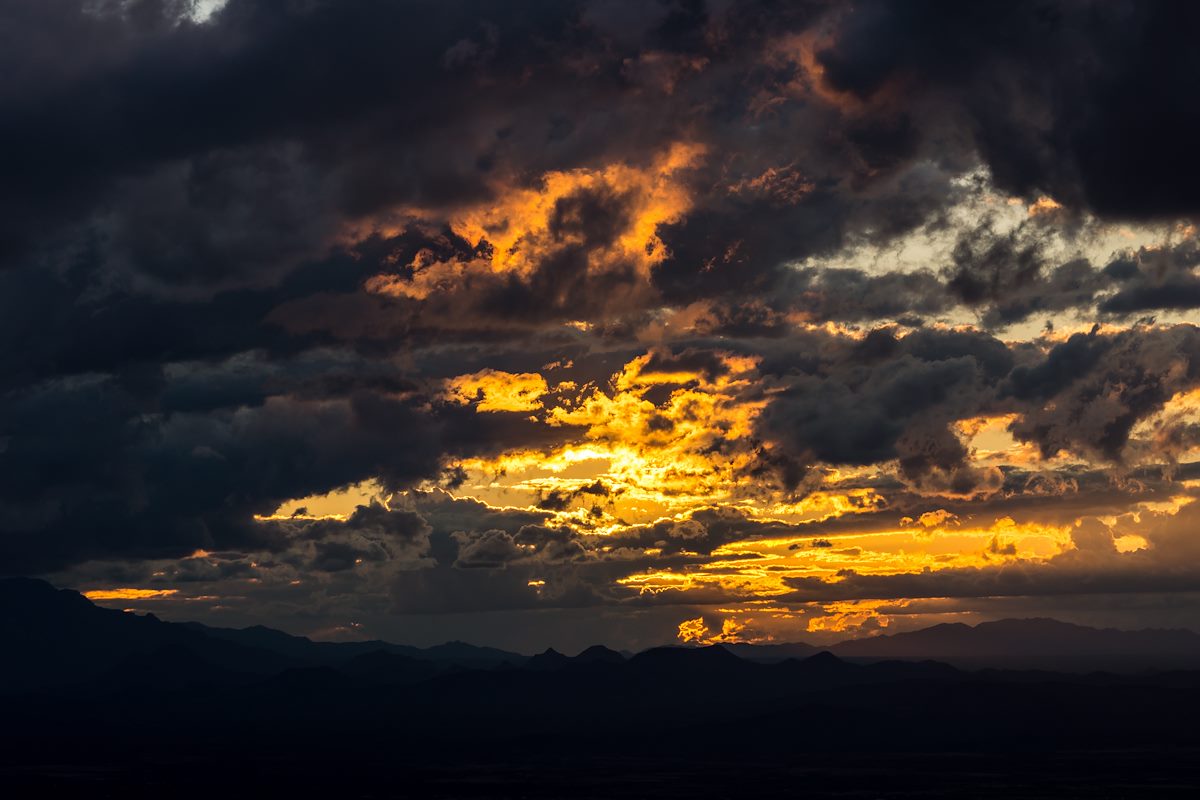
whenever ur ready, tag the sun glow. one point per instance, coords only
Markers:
(662, 437)
(670, 434)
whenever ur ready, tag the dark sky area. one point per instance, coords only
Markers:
(555, 323)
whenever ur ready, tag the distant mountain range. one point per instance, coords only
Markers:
(1041, 643)
(57, 636)
(1013, 644)
(99, 696)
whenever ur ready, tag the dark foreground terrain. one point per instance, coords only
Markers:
(99, 703)
(1105, 774)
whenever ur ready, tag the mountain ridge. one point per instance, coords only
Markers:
(694, 703)
(68, 638)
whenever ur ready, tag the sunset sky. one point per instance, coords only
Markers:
(556, 323)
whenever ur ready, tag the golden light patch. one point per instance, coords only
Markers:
(763, 575)
(1061, 333)
(338, 504)
(939, 518)
(493, 390)
(129, 594)
(844, 617)
(662, 436)
(989, 440)
(696, 631)
(1044, 206)
(765, 623)
(1130, 543)
(516, 224)
(525, 227)
(823, 505)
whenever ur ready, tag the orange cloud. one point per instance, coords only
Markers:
(493, 390)
(129, 594)
(696, 631)
(523, 228)
(1044, 206)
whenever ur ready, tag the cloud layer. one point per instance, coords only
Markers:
(398, 315)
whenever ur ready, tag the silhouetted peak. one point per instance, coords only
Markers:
(470, 653)
(598, 653)
(547, 659)
(683, 657)
(22, 585)
(263, 630)
(771, 652)
(1030, 625)
(943, 628)
(823, 658)
(1037, 640)
(16, 592)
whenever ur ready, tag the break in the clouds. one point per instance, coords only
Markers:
(550, 322)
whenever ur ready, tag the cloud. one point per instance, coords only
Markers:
(1095, 388)
(614, 304)
(1094, 567)
(1075, 101)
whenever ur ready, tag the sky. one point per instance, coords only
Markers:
(558, 323)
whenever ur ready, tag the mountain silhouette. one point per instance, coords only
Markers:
(599, 654)
(549, 659)
(57, 636)
(1038, 642)
(168, 694)
(306, 650)
(710, 658)
(772, 652)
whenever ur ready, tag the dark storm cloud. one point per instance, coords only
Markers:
(701, 531)
(68, 325)
(1162, 278)
(372, 534)
(497, 549)
(889, 397)
(201, 220)
(882, 399)
(208, 163)
(151, 88)
(1007, 277)
(851, 295)
(89, 470)
(1102, 386)
(447, 514)
(595, 493)
(1081, 101)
